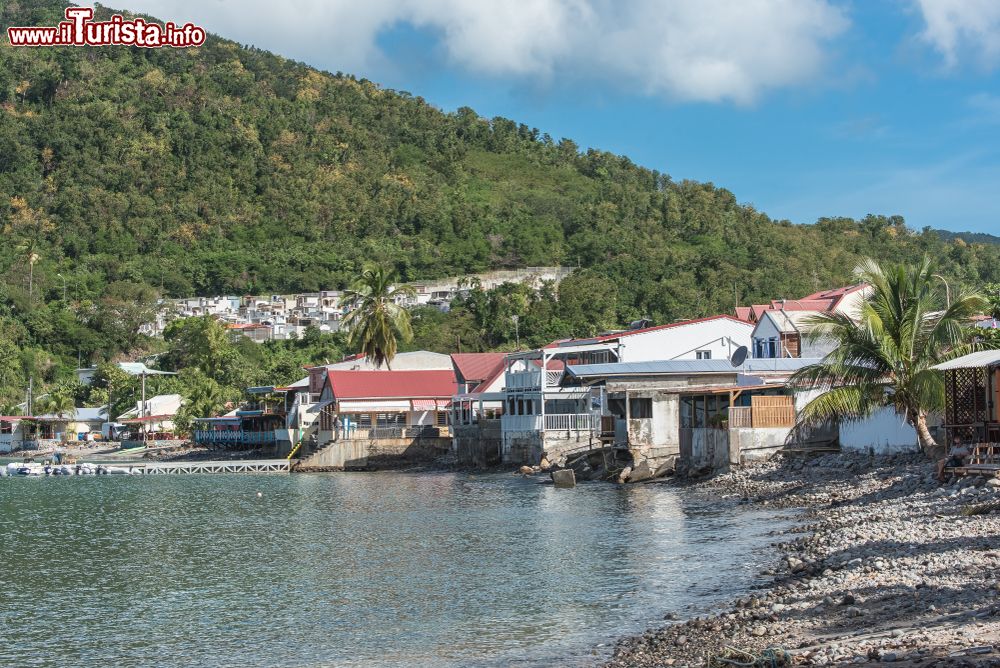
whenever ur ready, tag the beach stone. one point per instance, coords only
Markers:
(526, 470)
(681, 641)
(759, 630)
(564, 478)
(993, 482)
(888, 657)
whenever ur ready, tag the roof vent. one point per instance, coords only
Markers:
(641, 323)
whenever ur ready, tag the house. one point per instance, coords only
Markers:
(17, 432)
(693, 413)
(154, 418)
(384, 416)
(390, 400)
(83, 424)
(714, 337)
(780, 333)
(540, 414)
(475, 369)
(838, 300)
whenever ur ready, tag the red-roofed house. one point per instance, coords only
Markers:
(839, 300)
(385, 399)
(473, 370)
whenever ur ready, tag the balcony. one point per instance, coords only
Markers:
(554, 422)
(524, 380)
(572, 422)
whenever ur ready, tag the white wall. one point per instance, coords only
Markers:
(885, 431)
(683, 341)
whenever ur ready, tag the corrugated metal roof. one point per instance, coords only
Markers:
(392, 384)
(690, 367)
(478, 366)
(971, 361)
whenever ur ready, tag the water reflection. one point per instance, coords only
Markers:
(354, 569)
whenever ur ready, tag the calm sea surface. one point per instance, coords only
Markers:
(354, 569)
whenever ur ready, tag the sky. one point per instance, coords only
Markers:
(801, 108)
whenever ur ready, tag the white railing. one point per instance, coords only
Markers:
(521, 422)
(523, 380)
(572, 422)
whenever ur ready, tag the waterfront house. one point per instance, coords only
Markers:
(696, 413)
(83, 424)
(372, 404)
(540, 414)
(17, 432)
(154, 418)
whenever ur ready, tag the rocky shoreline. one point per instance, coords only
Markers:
(890, 566)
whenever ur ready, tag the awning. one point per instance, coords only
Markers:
(976, 360)
(427, 404)
(375, 405)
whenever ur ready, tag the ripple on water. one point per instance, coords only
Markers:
(354, 569)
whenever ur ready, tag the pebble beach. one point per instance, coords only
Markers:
(889, 566)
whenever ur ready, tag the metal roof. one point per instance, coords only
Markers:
(971, 361)
(140, 369)
(690, 367)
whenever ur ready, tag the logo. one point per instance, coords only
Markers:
(80, 30)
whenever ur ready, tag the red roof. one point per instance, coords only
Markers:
(392, 384)
(477, 366)
(836, 293)
(825, 300)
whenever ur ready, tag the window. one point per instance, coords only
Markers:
(441, 419)
(640, 409)
(6, 427)
(703, 354)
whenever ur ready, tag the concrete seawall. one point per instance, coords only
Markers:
(381, 453)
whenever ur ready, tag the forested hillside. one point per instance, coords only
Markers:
(127, 173)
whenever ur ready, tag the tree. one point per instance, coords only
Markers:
(60, 404)
(376, 321)
(992, 292)
(203, 397)
(31, 227)
(201, 342)
(884, 357)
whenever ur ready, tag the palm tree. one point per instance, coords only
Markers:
(884, 356)
(376, 321)
(56, 403)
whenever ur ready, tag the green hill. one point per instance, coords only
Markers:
(226, 169)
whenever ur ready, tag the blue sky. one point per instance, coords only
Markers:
(802, 108)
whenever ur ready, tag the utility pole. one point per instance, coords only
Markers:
(64, 287)
(517, 332)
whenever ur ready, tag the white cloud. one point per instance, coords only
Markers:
(957, 28)
(703, 50)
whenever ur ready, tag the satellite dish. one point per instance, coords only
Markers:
(739, 357)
